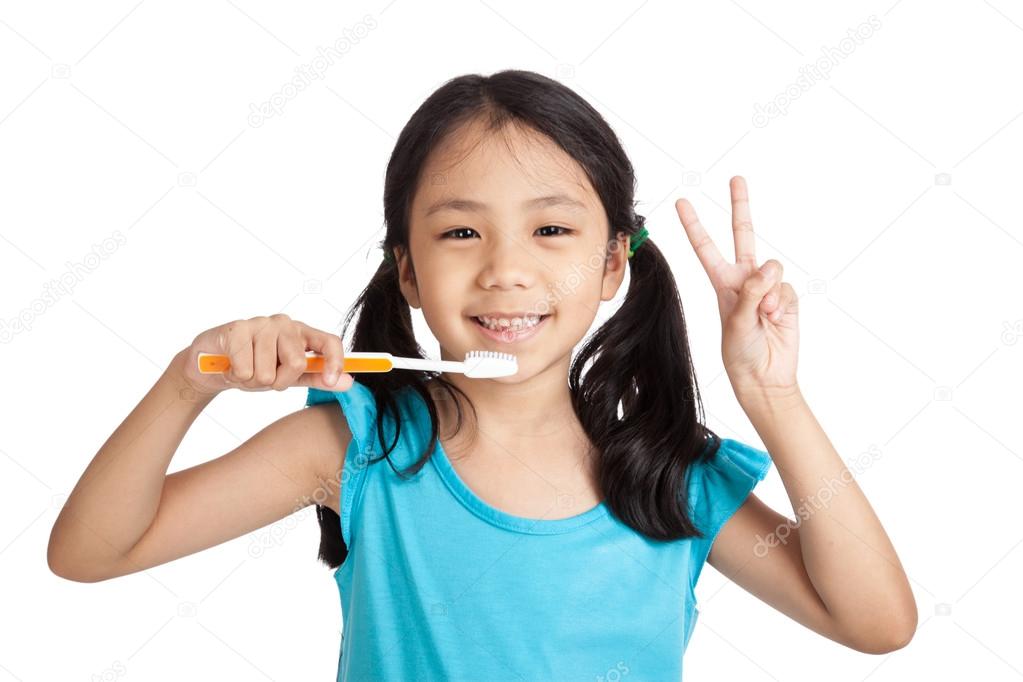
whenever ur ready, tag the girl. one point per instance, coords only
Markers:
(549, 525)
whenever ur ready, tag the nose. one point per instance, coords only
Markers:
(508, 264)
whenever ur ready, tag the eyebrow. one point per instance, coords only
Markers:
(469, 205)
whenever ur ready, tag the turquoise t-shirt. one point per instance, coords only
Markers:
(439, 585)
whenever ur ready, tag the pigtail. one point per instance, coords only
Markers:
(642, 368)
(388, 328)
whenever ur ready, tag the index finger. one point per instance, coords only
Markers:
(704, 246)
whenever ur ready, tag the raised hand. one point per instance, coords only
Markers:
(759, 312)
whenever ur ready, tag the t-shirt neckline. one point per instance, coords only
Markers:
(493, 515)
(501, 518)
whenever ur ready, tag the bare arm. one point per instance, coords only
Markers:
(116, 497)
(837, 573)
(126, 514)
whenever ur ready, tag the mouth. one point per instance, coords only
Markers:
(510, 334)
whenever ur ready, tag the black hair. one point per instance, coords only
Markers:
(638, 403)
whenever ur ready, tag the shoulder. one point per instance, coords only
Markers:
(371, 427)
(739, 458)
(717, 485)
(719, 482)
(358, 409)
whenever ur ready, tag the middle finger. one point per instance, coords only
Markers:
(742, 223)
(291, 351)
(264, 358)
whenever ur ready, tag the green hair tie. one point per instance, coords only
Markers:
(637, 240)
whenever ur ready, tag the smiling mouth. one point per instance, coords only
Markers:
(540, 319)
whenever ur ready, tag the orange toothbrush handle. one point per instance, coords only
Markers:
(213, 363)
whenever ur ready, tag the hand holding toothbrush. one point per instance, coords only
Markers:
(759, 312)
(271, 352)
(264, 353)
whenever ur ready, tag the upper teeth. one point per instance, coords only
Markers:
(514, 323)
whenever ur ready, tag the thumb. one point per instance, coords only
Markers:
(320, 380)
(344, 381)
(756, 286)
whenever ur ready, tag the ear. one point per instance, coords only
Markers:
(614, 265)
(407, 277)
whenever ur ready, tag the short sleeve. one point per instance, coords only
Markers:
(716, 489)
(360, 411)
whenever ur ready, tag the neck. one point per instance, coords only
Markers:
(533, 418)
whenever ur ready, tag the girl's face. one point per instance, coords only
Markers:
(502, 225)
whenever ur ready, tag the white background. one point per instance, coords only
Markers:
(889, 192)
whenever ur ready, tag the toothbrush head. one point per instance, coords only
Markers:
(489, 364)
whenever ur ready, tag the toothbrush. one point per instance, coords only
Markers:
(478, 364)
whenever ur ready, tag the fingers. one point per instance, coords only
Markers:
(779, 300)
(292, 359)
(757, 287)
(788, 302)
(270, 353)
(264, 352)
(770, 302)
(237, 344)
(742, 222)
(701, 242)
(330, 347)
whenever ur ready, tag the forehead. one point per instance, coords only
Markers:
(515, 167)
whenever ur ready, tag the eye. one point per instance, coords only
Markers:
(449, 233)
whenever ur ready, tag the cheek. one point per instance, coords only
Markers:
(579, 283)
(441, 313)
